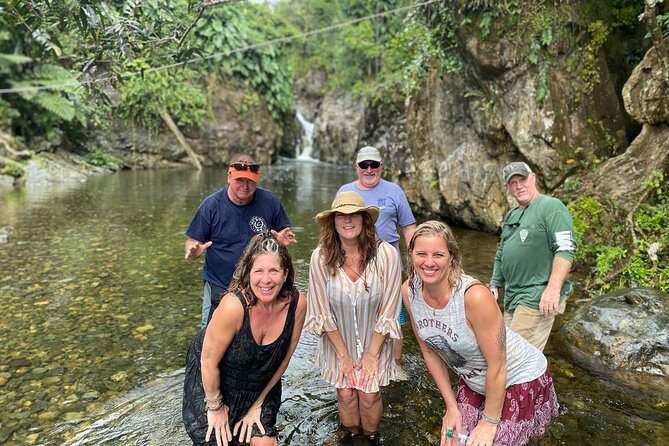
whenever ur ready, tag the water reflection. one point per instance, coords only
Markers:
(97, 308)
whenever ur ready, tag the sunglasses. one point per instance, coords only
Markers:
(365, 164)
(246, 166)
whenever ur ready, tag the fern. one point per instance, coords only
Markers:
(7, 60)
(56, 104)
(54, 76)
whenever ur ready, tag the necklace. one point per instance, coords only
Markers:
(363, 276)
(438, 301)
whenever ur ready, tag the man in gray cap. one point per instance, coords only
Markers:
(534, 257)
(391, 201)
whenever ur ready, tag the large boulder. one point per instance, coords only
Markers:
(645, 92)
(624, 336)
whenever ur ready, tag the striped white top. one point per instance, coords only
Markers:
(338, 303)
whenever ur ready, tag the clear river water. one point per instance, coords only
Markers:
(98, 307)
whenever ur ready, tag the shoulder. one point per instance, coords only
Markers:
(387, 250)
(347, 187)
(316, 252)
(477, 295)
(405, 288)
(213, 199)
(549, 202)
(316, 257)
(265, 194)
(389, 185)
(230, 312)
(301, 303)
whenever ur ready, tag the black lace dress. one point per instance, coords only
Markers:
(245, 369)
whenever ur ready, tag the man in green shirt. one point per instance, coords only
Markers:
(534, 257)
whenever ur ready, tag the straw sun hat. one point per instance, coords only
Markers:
(348, 203)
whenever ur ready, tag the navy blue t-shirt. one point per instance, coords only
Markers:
(230, 227)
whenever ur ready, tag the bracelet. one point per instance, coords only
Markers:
(215, 403)
(492, 285)
(216, 408)
(490, 420)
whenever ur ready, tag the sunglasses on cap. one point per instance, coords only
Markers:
(246, 166)
(365, 164)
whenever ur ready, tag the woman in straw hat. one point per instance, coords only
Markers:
(354, 305)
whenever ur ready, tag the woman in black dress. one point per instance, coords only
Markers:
(232, 388)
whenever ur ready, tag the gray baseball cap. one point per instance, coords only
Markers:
(516, 168)
(368, 153)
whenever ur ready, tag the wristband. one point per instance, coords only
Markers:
(490, 420)
(493, 286)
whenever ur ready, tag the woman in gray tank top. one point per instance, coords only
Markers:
(505, 392)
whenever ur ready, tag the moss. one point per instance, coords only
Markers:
(12, 169)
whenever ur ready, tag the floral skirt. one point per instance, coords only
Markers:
(528, 409)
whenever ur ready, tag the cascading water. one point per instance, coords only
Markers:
(305, 146)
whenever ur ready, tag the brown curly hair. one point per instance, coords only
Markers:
(262, 243)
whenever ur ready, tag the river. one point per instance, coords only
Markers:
(97, 308)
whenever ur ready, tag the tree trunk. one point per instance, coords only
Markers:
(180, 137)
(650, 17)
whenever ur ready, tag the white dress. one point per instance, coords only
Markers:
(357, 311)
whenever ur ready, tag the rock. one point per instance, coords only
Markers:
(621, 177)
(645, 92)
(4, 233)
(624, 336)
(338, 128)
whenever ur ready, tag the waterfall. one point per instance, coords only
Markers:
(305, 146)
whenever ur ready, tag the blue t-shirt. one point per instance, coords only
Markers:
(393, 206)
(230, 227)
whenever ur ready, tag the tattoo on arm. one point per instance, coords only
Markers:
(501, 337)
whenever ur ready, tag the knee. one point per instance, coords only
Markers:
(347, 396)
(369, 400)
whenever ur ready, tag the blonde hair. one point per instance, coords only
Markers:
(434, 228)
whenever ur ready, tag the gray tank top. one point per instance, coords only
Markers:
(447, 333)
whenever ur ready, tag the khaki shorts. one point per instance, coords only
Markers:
(531, 325)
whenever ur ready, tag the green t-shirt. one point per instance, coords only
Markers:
(531, 237)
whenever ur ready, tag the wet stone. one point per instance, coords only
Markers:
(73, 416)
(48, 416)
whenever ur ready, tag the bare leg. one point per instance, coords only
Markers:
(349, 410)
(371, 408)
(263, 441)
(397, 349)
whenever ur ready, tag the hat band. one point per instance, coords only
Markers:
(347, 204)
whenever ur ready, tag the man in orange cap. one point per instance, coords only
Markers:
(226, 221)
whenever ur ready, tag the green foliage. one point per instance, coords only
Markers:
(571, 185)
(541, 88)
(487, 19)
(616, 257)
(176, 91)
(100, 158)
(625, 13)
(231, 39)
(409, 56)
(356, 55)
(590, 55)
(12, 168)
(29, 79)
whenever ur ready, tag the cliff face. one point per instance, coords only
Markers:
(447, 144)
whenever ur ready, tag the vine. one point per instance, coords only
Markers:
(629, 254)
